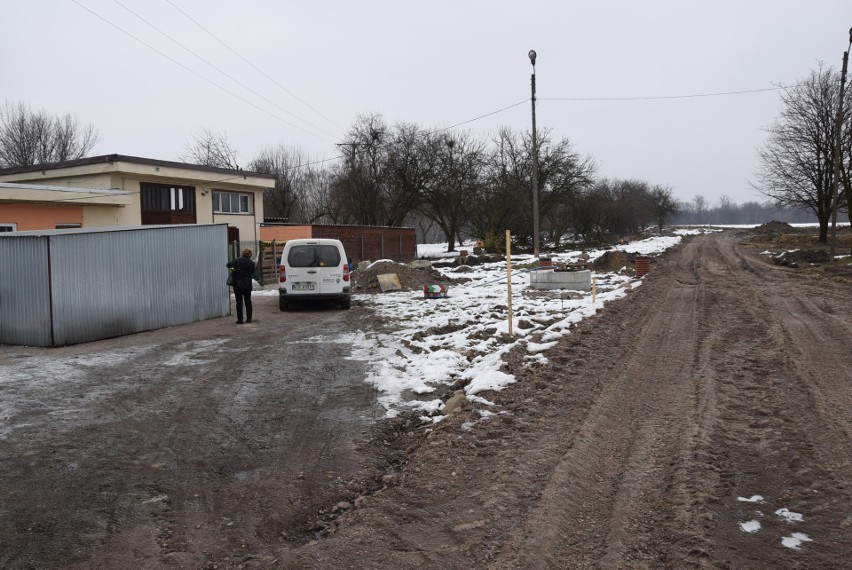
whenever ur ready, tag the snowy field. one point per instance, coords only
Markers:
(434, 343)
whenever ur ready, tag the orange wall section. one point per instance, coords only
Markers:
(284, 233)
(30, 217)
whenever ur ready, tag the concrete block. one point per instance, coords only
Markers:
(551, 279)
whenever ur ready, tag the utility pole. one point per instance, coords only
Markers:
(532, 56)
(838, 156)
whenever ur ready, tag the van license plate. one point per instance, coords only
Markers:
(303, 286)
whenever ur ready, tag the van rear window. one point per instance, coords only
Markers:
(314, 256)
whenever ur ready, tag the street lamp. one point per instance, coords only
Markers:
(532, 55)
(838, 126)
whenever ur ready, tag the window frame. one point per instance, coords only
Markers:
(241, 200)
(158, 197)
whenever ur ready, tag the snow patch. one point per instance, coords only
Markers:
(789, 515)
(752, 499)
(795, 540)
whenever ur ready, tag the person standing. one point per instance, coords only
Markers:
(243, 268)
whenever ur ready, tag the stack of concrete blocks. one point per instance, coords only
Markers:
(548, 279)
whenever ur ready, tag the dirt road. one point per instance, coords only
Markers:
(661, 432)
(201, 445)
(703, 421)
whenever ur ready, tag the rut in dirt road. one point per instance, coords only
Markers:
(679, 428)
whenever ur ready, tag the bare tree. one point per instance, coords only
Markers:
(617, 209)
(498, 205)
(210, 148)
(796, 163)
(71, 140)
(360, 184)
(317, 202)
(563, 174)
(506, 202)
(456, 176)
(379, 180)
(35, 137)
(410, 167)
(289, 166)
(664, 205)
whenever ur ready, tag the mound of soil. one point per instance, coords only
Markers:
(613, 261)
(801, 257)
(410, 279)
(774, 227)
(469, 260)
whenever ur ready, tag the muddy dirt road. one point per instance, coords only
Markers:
(646, 440)
(183, 447)
(703, 421)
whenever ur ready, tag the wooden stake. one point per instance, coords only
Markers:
(594, 288)
(509, 277)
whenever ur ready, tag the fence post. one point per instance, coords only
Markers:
(274, 260)
(260, 261)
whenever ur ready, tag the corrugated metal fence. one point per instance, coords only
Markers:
(63, 287)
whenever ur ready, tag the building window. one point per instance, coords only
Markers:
(231, 203)
(165, 197)
(69, 226)
(8, 227)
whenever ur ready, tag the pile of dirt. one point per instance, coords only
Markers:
(801, 258)
(469, 260)
(410, 278)
(773, 228)
(778, 237)
(613, 261)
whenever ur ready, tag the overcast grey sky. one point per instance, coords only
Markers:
(299, 73)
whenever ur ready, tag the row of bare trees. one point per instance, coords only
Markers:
(400, 175)
(30, 137)
(464, 185)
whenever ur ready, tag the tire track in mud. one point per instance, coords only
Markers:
(786, 429)
(632, 446)
(641, 437)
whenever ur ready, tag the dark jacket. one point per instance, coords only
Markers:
(243, 271)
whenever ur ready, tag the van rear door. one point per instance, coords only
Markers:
(314, 269)
(330, 271)
(301, 269)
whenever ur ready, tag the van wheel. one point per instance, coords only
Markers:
(347, 304)
(282, 305)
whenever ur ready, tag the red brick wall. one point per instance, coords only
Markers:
(371, 243)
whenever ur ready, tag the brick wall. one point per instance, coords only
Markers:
(371, 243)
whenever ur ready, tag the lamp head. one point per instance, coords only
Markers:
(532, 55)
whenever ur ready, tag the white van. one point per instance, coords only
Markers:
(313, 270)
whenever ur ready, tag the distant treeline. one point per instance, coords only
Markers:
(726, 212)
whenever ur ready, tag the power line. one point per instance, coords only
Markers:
(664, 97)
(235, 80)
(480, 117)
(210, 81)
(305, 103)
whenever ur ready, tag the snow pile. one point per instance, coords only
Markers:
(436, 346)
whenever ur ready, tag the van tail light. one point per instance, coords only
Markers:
(282, 275)
(346, 272)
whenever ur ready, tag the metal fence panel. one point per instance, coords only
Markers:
(24, 291)
(113, 283)
(61, 287)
